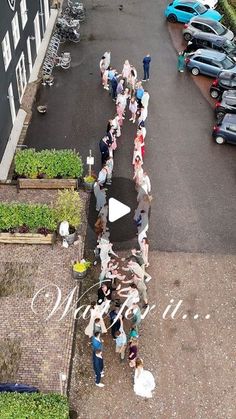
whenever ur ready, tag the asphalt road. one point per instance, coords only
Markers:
(193, 179)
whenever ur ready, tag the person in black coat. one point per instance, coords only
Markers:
(104, 148)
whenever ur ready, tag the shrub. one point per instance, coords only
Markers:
(50, 163)
(24, 217)
(68, 207)
(33, 405)
(229, 13)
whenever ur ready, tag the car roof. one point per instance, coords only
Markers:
(229, 95)
(219, 40)
(228, 75)
(203, 20)
(186, 2)
(229, 118)
(211, 53)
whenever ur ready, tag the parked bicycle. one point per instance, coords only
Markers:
(76, 10)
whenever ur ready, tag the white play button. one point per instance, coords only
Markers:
(116, 210)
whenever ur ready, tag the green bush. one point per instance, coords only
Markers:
(229, 12)
(34, 216)
(49, 163)
(33, 406)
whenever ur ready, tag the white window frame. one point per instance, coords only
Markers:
(15, 30)
(6, 50)
(23, 11)
(21, 80)
(37, 32)
(11, 103)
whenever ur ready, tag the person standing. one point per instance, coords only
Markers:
(181, 62)
(126, 70)
(100, 195)
(146, 67)
(120, 87)
(133, 106)
(98, 367)
(139, 91)
(104, 145)
(136, 318)
(144, 250)
(121, 340)
(94, 315)
(115, 324)
(144, 382)
(133, 350)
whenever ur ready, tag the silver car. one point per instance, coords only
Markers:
(209, 62)
(199, 24)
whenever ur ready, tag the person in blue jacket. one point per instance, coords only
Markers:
(146, 66)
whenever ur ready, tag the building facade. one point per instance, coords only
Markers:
(22, 27)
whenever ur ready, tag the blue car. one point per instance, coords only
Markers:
(183, 11)
(209, 62)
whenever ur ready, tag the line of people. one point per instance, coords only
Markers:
(122, 280)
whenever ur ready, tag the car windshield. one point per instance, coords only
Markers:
(220, 29)
(229, 46)
(227, 64)
(200, 9)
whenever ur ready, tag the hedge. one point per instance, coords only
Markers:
(33, 406)
(48, 163)
(16, 216)
(229, 12)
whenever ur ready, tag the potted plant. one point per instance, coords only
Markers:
(80, 268)
(89, 181)
(68, 208)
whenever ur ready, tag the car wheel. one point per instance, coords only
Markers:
(214, 94)
(220, 140)
(195, 71)
(187, 36)
(172, 18)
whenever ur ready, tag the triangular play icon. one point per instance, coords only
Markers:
(116, 210)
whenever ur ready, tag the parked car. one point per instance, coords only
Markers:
(227, 104)
(209, 62)
(206, 24)
(183, 11)
(210, 41)
(225, 81)
(225, 131)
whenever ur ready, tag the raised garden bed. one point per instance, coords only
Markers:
(47, 169)
(46, 183)
(27, 238)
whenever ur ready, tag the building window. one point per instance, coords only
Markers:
(23, 11)
(21, 76)
(6, 50)
(15, 30)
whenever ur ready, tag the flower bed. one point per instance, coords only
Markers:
(34, 405)
(48, 164)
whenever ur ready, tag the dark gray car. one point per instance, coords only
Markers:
(210, 41)
(225, 132)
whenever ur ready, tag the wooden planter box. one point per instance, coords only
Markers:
(47, 183)
(27, 238)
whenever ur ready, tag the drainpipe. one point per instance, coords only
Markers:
(41, 14)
